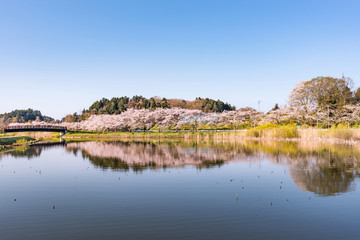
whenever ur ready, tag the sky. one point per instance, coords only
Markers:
(61, 56)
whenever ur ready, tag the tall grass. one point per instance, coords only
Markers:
(340, 132)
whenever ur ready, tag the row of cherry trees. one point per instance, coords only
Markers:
(179, 119)
(167, 119)
(322, 101)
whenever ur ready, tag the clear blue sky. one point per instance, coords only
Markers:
(60, 56)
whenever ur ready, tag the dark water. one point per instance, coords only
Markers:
(184, 190)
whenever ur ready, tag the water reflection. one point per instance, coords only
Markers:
(152, 155)
(30, 152)
(320, 168)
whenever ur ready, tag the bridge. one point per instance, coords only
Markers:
(35, 128)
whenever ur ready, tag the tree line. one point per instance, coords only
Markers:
(22, 116)
(321, 101)
(118, 105)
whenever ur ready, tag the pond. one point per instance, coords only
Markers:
(180, 190)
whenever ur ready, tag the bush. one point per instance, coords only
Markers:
(12, 140)
(260, 131)
(273, 130)
(21, 141)
(287, 131)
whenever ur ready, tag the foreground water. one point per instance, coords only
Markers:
(180, 190)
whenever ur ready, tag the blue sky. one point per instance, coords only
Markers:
(60, 56)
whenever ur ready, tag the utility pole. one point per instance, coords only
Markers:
(328, 107)
(259, 104)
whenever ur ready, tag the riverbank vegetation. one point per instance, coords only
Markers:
(340, 134)
(14, 140)
(22, 140)
(322, 102)
(10, 142)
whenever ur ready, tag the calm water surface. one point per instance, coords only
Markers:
(180, 190)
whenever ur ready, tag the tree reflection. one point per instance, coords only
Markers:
(325, 169)
(29, 151)
(328, 174)
(320, 168)
(150, 155)
(25, 151)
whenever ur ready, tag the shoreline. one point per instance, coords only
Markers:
(201, 136)
(348, 136)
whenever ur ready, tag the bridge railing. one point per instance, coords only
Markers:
(36, 127)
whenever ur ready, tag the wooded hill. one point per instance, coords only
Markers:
(22, 116)
(119, 105)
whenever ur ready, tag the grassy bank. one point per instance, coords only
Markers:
(268, 131)
(10, 141)
(13, 140)
(341, 133)
(264, 131)
(73, 136)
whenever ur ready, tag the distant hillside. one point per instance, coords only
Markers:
(121, 104)
(118, 105)
(22, 116)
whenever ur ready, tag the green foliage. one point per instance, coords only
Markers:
(113, 106)
(357, 96)
(22, 116)
(276, 107)
(328, 91)
(21, 141)
(13, 140)
(164, 103)
(210, 105)
(323, 92)
(119, 105)
(73, 117)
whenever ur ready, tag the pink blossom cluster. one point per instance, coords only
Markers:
(162, 119)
